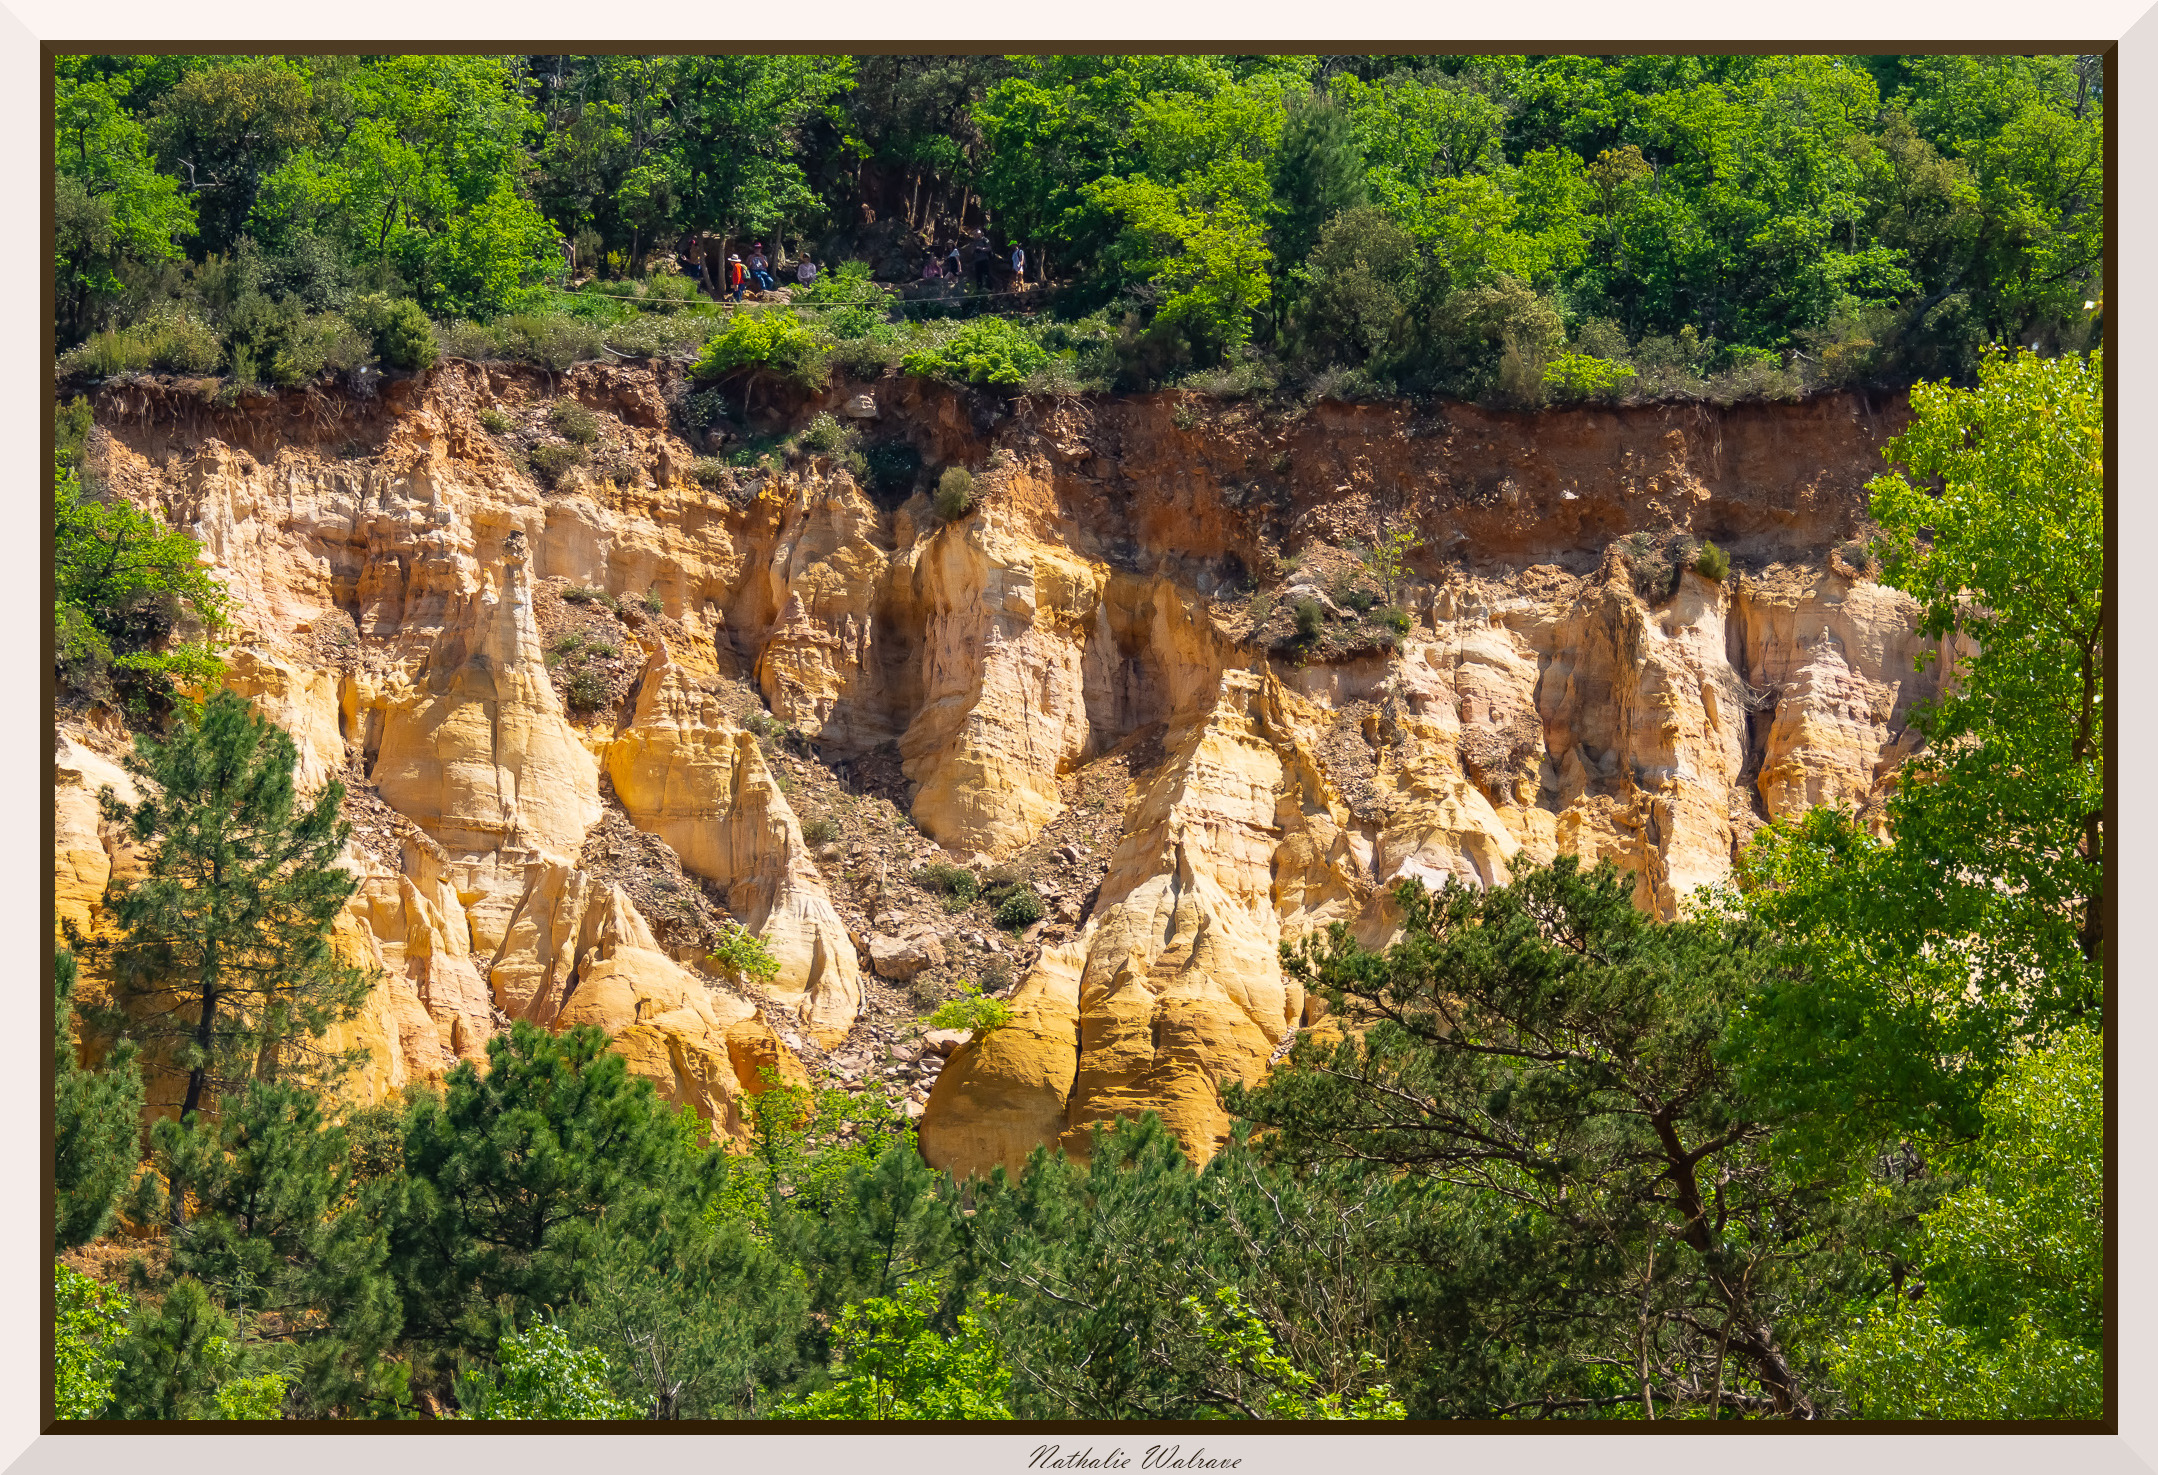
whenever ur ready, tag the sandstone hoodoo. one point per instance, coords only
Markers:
(1184, 680)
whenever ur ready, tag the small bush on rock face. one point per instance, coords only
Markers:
(955, 493)
(551, 461)
(971, 1011)
(574, 421)
(711, 471)
(586, 594)
(955, 883)
(1309, 619)
(1712, 563)
(826, 436)
(586, 688)
(1397, 620)
(743, 955)
(1020, 908)
(820, 829)
(493, 421)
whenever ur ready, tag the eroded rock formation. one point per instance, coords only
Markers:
(1122, 588)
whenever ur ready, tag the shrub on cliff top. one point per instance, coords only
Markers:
(403, 337)
(755, 344)
(986, 351)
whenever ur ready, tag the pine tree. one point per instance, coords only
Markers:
(225, 968)
(1317, 173)
(510, 1171)
(96, 1117)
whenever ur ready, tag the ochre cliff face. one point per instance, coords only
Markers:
(1099, 600)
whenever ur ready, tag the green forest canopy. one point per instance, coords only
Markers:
(1421, 220)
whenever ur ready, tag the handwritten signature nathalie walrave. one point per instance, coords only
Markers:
(1156, 1457)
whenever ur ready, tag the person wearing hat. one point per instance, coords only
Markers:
(760, 268)
(736, 277)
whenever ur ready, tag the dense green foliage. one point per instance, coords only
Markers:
(542, 1375)
(1826, 1145)
(96, 1113)
(892, 1365)
(1917, 970)
(1509, 226)
(1546, 1057)
(2013, 1261)
(89, 1320)
(135, 612)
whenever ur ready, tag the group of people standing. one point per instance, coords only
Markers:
(981, 256)
(976, 256)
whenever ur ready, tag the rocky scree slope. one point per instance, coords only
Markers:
(584, 725)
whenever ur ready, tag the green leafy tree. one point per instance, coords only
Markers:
(124, 588)
(741, 120)
(1096, 1265)
(1916, 970)
(542, 1375)
(1361, 273)
(1242, 1341)
(286, 1234)
(224, 966)
(416, 177)
(1317, 172)
(89, 1321)
(97, 1116)
(2008, 1322)
(225, 126)
(744, 955)
(1547, 1059)
(113, 211)
(892, 1364)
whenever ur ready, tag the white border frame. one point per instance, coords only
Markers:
(25, 869)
